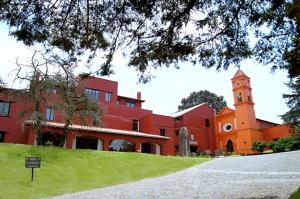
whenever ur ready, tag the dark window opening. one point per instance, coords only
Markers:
(162, 132)
(176, 148)
(135, 125)
(92, 94)
(4, 108)
(249, 97)
(176, 133)
(49, 114)
(2, 136)
(151, 148)
(86, 143)
(193, 149)
(207, 124)
(239, 97)
(51, 139)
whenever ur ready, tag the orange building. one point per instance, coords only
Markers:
(237, 130)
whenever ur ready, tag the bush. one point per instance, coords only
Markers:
(202, 154)
(287, 144)
(270, 144)
(259, 146)
(296, 194)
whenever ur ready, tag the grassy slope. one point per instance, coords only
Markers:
(64, 171)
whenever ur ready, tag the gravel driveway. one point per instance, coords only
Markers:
(262, 176)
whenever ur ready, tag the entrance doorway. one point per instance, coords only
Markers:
(50, 139)
(229, 146)
(147, 147)
(86, 143)
(2, 136)
(193, 149)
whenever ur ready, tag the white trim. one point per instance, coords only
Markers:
(74, 141)
(35, 140)
(101, 130)
(177, 114)
(157, 149)
(100, 145)
(225, 127)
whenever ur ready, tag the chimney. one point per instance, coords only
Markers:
(139, 95)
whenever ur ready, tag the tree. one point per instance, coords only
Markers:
(292, 117)
(34, 95)
(156, 33)
(2, 83)
(71, 100)
(195, 98)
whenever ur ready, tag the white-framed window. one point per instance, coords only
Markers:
(92, 94)
(4, 109)
(108, 96)
(49, 114)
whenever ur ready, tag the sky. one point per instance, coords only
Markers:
(164, 93)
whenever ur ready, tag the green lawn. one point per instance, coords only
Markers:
(64, 171)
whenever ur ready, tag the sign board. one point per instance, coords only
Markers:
(32, 162)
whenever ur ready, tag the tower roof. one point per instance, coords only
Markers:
(239, 73)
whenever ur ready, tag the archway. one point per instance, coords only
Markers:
(85, 142)
(51, 139)
(148, 147)
(229, 146)
(121, 145)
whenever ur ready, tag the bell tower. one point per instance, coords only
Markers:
(243, 101)
(246, 125)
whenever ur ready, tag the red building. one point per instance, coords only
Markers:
(126, 126)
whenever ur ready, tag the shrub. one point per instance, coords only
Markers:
(202, 154)
(259, 146)
(287, 144)
(296, 194)
(270, 144)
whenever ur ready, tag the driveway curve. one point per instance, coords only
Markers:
(272, 176)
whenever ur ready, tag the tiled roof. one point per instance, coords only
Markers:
(100, 130)
(177, 114)
(239, 73)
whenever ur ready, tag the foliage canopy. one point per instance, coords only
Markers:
(195, 98)
(156, 33)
